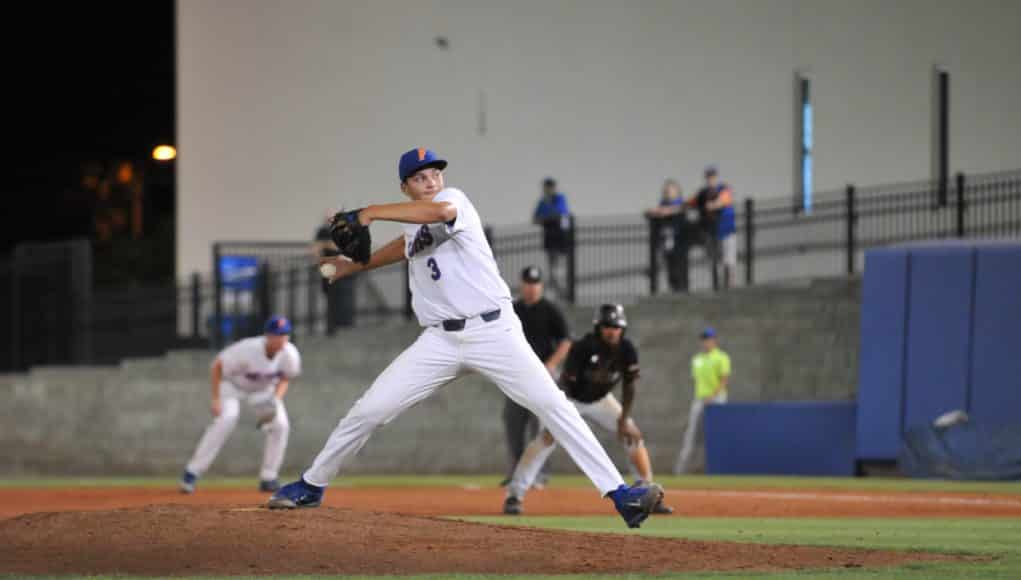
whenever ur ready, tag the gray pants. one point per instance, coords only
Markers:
(556, 277)
(685, 462)
(521, 427)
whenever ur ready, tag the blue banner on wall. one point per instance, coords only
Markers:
(239, 272)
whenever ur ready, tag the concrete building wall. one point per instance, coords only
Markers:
(288, 108)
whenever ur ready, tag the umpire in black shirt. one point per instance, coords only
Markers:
(546, 331)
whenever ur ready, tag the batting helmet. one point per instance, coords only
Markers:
(610, 315)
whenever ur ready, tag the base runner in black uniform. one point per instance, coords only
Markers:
(594, 366)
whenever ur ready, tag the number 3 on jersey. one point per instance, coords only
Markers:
(431, 262)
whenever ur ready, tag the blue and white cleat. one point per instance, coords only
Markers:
(187, 482)
(636, 503)
(298, 494)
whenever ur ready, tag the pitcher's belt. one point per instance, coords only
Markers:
(457, 324)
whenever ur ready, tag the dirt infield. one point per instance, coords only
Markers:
(438, 501)
(153, 531)
(178, 539)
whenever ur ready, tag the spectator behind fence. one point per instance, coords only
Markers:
(546, 330)
(710, 370)
(715, 203)
(340, 294)
(552, 214)
(671, 221)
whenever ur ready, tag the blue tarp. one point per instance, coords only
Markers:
(967, 450)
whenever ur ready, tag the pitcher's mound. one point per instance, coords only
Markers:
(175, 539)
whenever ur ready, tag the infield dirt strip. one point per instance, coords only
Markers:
(153, 531)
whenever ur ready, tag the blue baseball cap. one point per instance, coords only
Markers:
(417, 159)
(278, 325)
(708, 332)
(711, 170)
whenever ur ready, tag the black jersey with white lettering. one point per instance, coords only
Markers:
(594, 368)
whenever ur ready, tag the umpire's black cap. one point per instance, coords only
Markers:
(531, 274)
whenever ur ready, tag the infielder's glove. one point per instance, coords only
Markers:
(265, 412)
(351, 237)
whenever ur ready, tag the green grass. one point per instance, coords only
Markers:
(562, 481)
(998, 538)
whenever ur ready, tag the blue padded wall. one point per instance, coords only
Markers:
(884, 297)
(996, 346)
(939, 319)
(782, 438)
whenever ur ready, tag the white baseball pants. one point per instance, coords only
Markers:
(605, 412)
(498, 351)
(216, 434)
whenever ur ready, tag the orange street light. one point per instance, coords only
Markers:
(164, 153)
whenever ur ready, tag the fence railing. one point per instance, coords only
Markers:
(282, 277)
(607, 259)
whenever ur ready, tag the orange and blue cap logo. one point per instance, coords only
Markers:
(421, 153)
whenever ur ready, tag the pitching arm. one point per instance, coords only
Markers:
(409, 212)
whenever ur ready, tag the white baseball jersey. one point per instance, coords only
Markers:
(246, 366)
(451, 268)
(453, 275)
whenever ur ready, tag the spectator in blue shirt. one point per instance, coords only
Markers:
(552, 214)
(715, 203)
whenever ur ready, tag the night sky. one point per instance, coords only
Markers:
(89, 81)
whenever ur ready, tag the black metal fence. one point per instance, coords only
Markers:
(47, 298)
(618, 258)
(54, 315)
(780, 243)
(284, 279)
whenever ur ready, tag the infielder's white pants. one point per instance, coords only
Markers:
(695, 416)
(605, 412)
(498, 351)
(263, 404)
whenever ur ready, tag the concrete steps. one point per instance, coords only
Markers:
(144, 416)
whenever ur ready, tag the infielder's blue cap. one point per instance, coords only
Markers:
(278, 325)
(708, 332)
(417, 159)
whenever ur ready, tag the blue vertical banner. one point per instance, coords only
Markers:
(806, 156)
(238, 275)
(939, 337)
(995, 362)
(239, 272)
(884, 313)
(807, 142)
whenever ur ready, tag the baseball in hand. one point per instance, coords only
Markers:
(328, 270)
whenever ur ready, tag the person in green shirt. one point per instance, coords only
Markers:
(710, 369)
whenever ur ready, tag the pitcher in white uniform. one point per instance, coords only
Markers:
(464, 307)
(258, 371)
